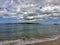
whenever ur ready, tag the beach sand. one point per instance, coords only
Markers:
(56, 42)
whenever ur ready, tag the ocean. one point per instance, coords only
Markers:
(28, 33)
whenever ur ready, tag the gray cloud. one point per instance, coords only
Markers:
(39, 2)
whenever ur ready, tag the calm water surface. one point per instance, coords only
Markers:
(17, 31)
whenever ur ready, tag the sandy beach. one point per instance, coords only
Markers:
(56, 42)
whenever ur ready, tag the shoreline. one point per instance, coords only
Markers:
(45, 41)
(54, 42)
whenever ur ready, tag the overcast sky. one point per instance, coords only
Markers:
(40, 2)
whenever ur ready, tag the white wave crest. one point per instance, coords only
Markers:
(21, 42)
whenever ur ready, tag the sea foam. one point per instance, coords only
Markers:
(21, 42)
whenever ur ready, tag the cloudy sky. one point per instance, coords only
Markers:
(6, 4)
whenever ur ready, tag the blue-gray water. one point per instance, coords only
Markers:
(18, 31)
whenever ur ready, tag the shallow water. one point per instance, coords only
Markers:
(28, 32)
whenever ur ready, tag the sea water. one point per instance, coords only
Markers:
(22, 34)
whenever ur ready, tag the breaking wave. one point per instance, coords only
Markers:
(22, 42)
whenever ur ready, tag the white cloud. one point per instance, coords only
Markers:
(14, 11)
